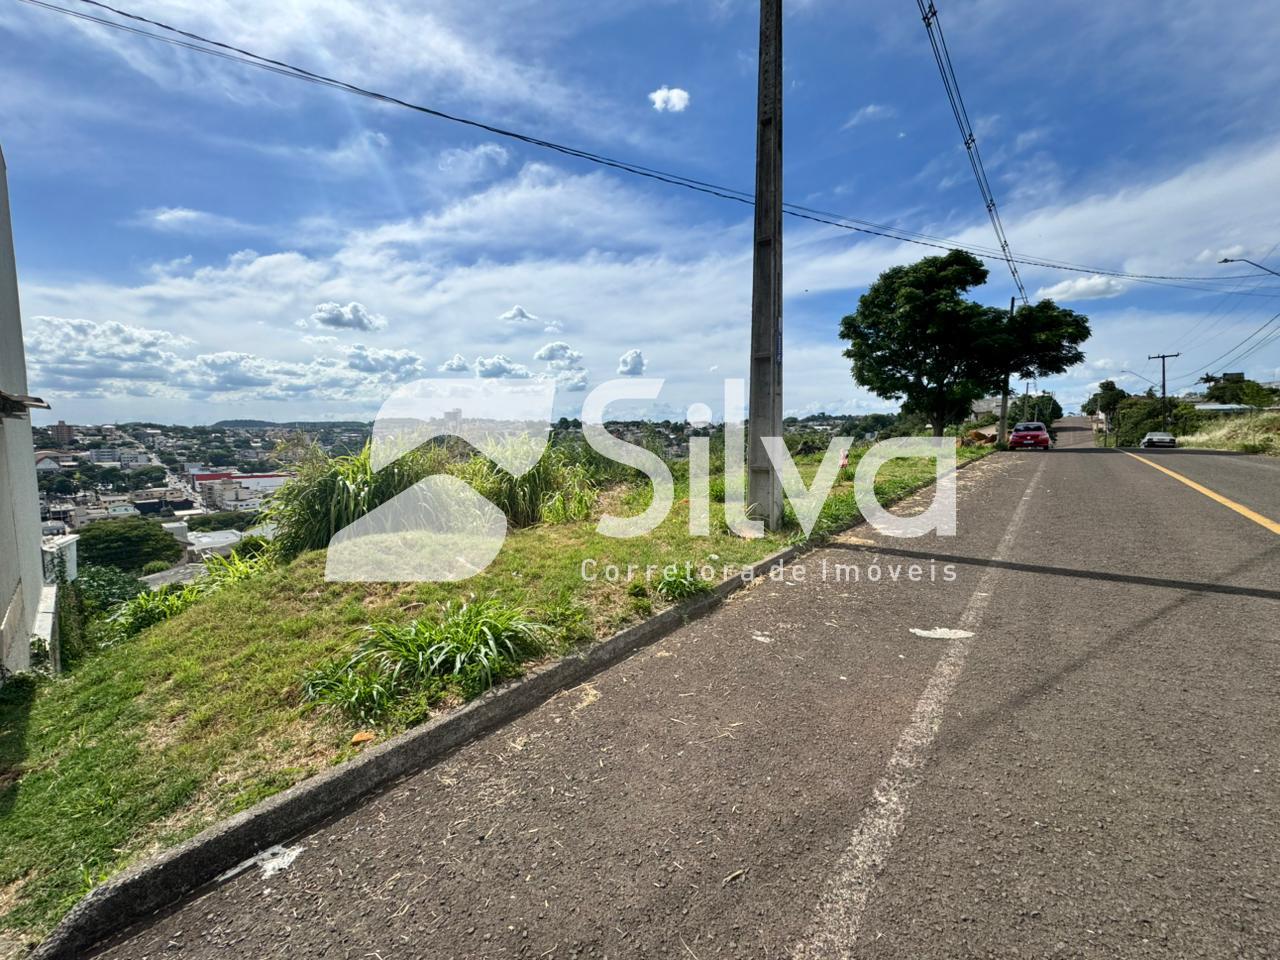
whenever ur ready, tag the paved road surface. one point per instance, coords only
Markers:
(1094, 772)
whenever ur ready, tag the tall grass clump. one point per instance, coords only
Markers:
(400, 670)
(681, 584)
(558, 488)
(329, 493)
(131, 617)
(574, 496)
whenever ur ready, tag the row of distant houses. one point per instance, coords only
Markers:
(125, 458)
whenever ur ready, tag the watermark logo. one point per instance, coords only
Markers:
(440, 529)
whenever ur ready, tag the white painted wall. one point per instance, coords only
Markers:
(21, 574)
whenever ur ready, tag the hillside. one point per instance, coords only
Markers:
(1251, 433)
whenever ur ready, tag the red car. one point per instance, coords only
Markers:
(1029, 434)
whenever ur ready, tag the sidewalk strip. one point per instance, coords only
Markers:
(838, 916)
(1239, 508)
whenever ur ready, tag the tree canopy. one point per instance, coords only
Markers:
(915, 337)
(1248, 392)
(912, 337)
(128, 543)
(1106, 400)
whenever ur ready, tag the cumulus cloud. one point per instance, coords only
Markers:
(354, 316)
(81, 355)
(501, 366)
(518, 314)
(398, 364)
(631, 363)
(669, 99)
(564, 365)
(1093, 287)
(872, 111)
(455, 364)
(559, 354)
(88, 359)
(575, 381)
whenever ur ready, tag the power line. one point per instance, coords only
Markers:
(933, 26)
(1224, 301)
(201, 44)
(1245, 353)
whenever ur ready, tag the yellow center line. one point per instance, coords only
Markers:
(1239, 508)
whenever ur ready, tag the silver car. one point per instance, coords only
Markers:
(1158, 438)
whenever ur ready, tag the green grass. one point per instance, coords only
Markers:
(1251, 433)
(204, 714)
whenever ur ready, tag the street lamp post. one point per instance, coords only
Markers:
(1250, 262)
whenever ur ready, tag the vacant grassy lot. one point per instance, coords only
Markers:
(147, 742)
(1252, 433)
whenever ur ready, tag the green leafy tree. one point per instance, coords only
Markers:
(1036, 340)
(129, 543)
(145, 477)
(101, 587)
(912, 337)
(1250, 393)
(1043, 408)
(1106, 400)
(1256, 395)
(1136, 416)
(57, 484)
(223, 520)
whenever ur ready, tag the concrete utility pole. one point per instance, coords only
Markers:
(1164, 397)
(764, 416)
(1002, 434)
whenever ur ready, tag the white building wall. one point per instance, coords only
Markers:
(21, 574)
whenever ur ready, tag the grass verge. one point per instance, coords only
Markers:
(204, 714)
(1252, 433)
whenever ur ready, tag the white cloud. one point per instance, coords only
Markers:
(575, 381)
(631, 363)
(399, 364)
(186, 220)
(669, 99)
(559, 353)
(447, 275)
(455, 364)
(1093, 287)
(517, 314)
(86, 359)
(501, 366)
(564, 365)
(450, 51)
(872, 111)
(354, 316)
(469, 164)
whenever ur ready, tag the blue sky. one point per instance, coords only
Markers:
(199, 240)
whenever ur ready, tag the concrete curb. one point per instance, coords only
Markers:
(162, 880)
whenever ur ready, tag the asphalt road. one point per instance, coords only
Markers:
(1085, 762)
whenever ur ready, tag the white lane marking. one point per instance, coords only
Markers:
(835, 923)
(942, 633)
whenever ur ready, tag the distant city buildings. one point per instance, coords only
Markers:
(63, 434)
